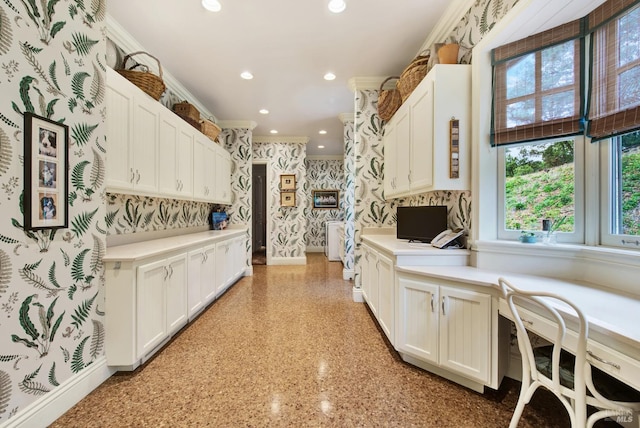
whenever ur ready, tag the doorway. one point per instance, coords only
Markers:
(259, 214)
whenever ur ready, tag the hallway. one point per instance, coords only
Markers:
(288, 347)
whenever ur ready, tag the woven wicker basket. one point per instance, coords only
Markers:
(210, 129)
(191, 121)
(389, 100)
(151, 84)
(412, 76)
(184, 109)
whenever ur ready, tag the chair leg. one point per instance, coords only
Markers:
(526, 392)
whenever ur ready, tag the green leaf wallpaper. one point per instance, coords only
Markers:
(51, 281)
(323, 174)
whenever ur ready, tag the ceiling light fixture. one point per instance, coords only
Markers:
(329, 76)
(322, 132)
(273, 131)
(212, 5)
(337, 6)
(263, 111)
(321, 147)
(246, 75)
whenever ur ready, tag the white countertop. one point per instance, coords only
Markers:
(401, 247)
(154, 247)
(610, 313)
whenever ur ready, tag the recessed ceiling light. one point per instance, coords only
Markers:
(322, 132)
(212, 5)
(274, 131)
(329, 76)
(337, 6)
(264, 111)
(246, 75)
(321, 147)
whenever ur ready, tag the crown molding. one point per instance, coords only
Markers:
(447, 22)
(127, 43)
(241, 124)
(276, 139)
(364, 83)
(325, 157)
(346, 117)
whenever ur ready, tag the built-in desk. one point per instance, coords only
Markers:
(614, 335)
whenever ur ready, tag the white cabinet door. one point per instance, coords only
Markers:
(204, 160)
(386, 292)
(119, 168)
(151, 312)
(239, 256)
(365, 280)
(184, 160)
(195, 278)
(146, 118)
(403, 155)
(422, 139)
(208, 268)
(390, 169)
(417, 318)
(465, 334)
(223, 270)
(176, 293)
(167, 150)
(223, 175)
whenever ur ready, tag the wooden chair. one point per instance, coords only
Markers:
(569, 376)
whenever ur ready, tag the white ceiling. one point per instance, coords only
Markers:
(288, 45)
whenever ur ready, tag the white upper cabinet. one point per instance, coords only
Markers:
(153, 152)
(417, 140)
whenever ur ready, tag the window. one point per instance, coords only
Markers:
(541, 180)
(621, 211)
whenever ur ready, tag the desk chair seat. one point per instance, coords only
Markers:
(570, 377)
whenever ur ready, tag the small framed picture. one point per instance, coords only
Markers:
(288, 199)
(326, 198)
(46, 173)
(287, 182)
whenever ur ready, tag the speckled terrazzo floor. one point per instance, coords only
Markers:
(289, 348)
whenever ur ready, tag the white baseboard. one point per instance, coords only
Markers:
(248, 271)
(283, 261)
(348, 274)
(50, 407)
(311, 249)
(357, 295)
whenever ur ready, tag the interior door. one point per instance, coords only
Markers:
(259, 186)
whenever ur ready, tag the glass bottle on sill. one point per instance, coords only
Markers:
(550, 238)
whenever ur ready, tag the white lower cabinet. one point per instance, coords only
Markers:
(201, 279)
(161, 301)
(378, 287)
(446, 326)
(150, 298)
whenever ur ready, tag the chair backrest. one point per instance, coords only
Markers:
(542, 303)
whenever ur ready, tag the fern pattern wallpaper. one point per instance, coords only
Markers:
(288, 225)
(348, 201)
(323, 175)
(52, 56)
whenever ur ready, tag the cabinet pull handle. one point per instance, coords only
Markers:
(444, 310)
(166, 273)
(433, 308)
(409, 177)
(609, 363)
(138, 175)
(171, 274)
(133, 176)
(526, 321)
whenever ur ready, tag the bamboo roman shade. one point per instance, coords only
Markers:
(614, 96)
(537, 86)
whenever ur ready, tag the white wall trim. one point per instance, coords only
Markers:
(357, 295)
(325, 157)
(288, 261)
(447, 22)
(126, 42)
(237, 124)
(313, 249)
(363, 83)
(348, 274)
(248, 271)
(283, 139)
(50, 407)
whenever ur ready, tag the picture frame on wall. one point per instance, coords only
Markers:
(288, 199)
(46, 173)
(326, 199)
(287, 182)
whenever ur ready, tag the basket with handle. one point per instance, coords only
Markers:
(210, 129)
(389, 100)
(151, 84)
(412, 76)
